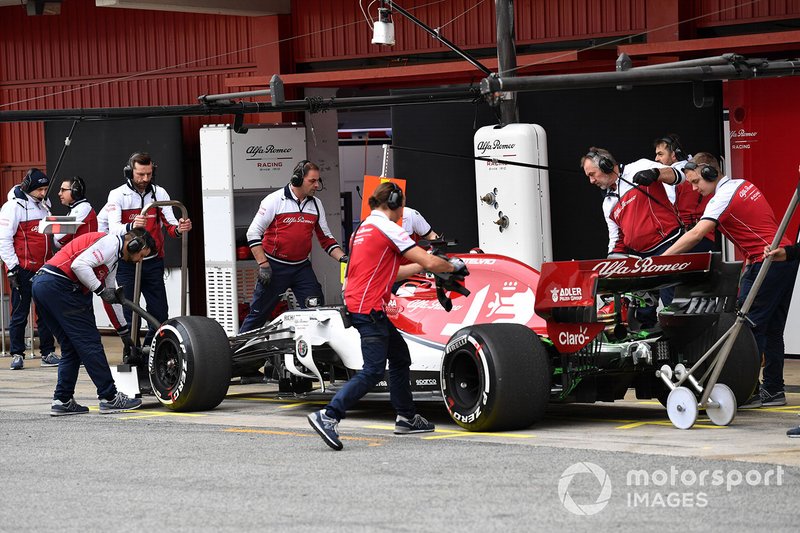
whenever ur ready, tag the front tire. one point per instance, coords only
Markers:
(495, 377)
(190, 364)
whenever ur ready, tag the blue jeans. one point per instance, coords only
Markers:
(379, 340)
(20, 307)
(300, 278)
(153, 290)
(768, 314)
(69, 313)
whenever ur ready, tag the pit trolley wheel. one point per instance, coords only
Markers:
(682, 408)
(721, 408)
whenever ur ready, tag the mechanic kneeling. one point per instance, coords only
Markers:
(375, 251)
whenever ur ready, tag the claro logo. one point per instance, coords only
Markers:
(574, 339)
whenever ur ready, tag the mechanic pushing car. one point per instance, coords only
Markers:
(640, 217)
(375, 252)
(742, 214)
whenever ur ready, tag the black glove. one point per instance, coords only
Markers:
(107, 294)
(13, 280)
(646, 177)
(124, 333)
(460, 267)
(344, 259)
(265, 274)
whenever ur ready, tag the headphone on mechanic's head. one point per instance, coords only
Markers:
(672, 143)
(34, 179)
(78, 188)
(605, 164)
(707, 172)
(138, 157)
(299, 173)
(395, 198)
(141, 239)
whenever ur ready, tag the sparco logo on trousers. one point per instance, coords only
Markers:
(607, 269)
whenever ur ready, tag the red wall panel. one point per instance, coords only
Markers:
(721, 12)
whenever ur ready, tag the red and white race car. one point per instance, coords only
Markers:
(520, 340)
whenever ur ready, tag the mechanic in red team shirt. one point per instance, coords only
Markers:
(640, 217)
(122, 212)
(72, 194)
(377, 247)
(280, 239)
(62, 290)
(689, 203)
(743, 215)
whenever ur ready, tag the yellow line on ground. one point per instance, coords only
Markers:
(450, 433)
(664, 423)
(152, 414)
(292, 403)
(374, 441)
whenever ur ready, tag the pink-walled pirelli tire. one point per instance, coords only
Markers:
(495, 377)
(190, 364)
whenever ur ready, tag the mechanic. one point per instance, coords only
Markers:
(418, 229)
(376, 249)
(125, 203)
(280, 239)
(689, 203)
(742, 214)
(24, 250)
(61, 291)
(640, 218)
(72, 194)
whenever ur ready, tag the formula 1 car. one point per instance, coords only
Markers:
(518, 341)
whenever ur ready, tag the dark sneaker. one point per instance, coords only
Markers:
(121, 402)
(404, 426)
(326, 427)
(58, 408)
(51, 359)
(17, 362)
(793, 433)
(772, 400)
(753, 403)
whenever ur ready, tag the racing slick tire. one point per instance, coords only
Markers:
(495, 377)
(190, 364)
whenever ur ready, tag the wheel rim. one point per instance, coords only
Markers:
(682, 408)
(166, 365)
(465, 376)
(723, 409)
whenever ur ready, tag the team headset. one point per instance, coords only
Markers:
(27, 181)
(127, 170)
(673, 144)
(137, 243)
(707, 172)
(299, 173)
(395, 198)
(78, 188)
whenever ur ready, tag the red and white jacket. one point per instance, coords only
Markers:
(376, 249)
(125, 202)
(83, 212)
(283, 227)
(20, 241)
(744, 216)
(639, 222)
(91, 260)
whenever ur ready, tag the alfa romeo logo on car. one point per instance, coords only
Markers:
(302, 348)
(602, 498)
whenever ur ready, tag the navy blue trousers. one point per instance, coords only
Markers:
(300, 278)
(153, 290)
(768, 314)
(20, 307)
(69, 313)
(380, 341)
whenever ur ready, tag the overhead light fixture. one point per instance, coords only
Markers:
(383, 29)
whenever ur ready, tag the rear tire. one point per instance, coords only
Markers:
(495, 377)
(190, 364)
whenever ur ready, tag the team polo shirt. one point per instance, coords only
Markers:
(83, 212)
(283, 227)
(375, 252)
(639, 222)
(744, 216)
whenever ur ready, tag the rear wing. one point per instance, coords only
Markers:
(567, 290)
